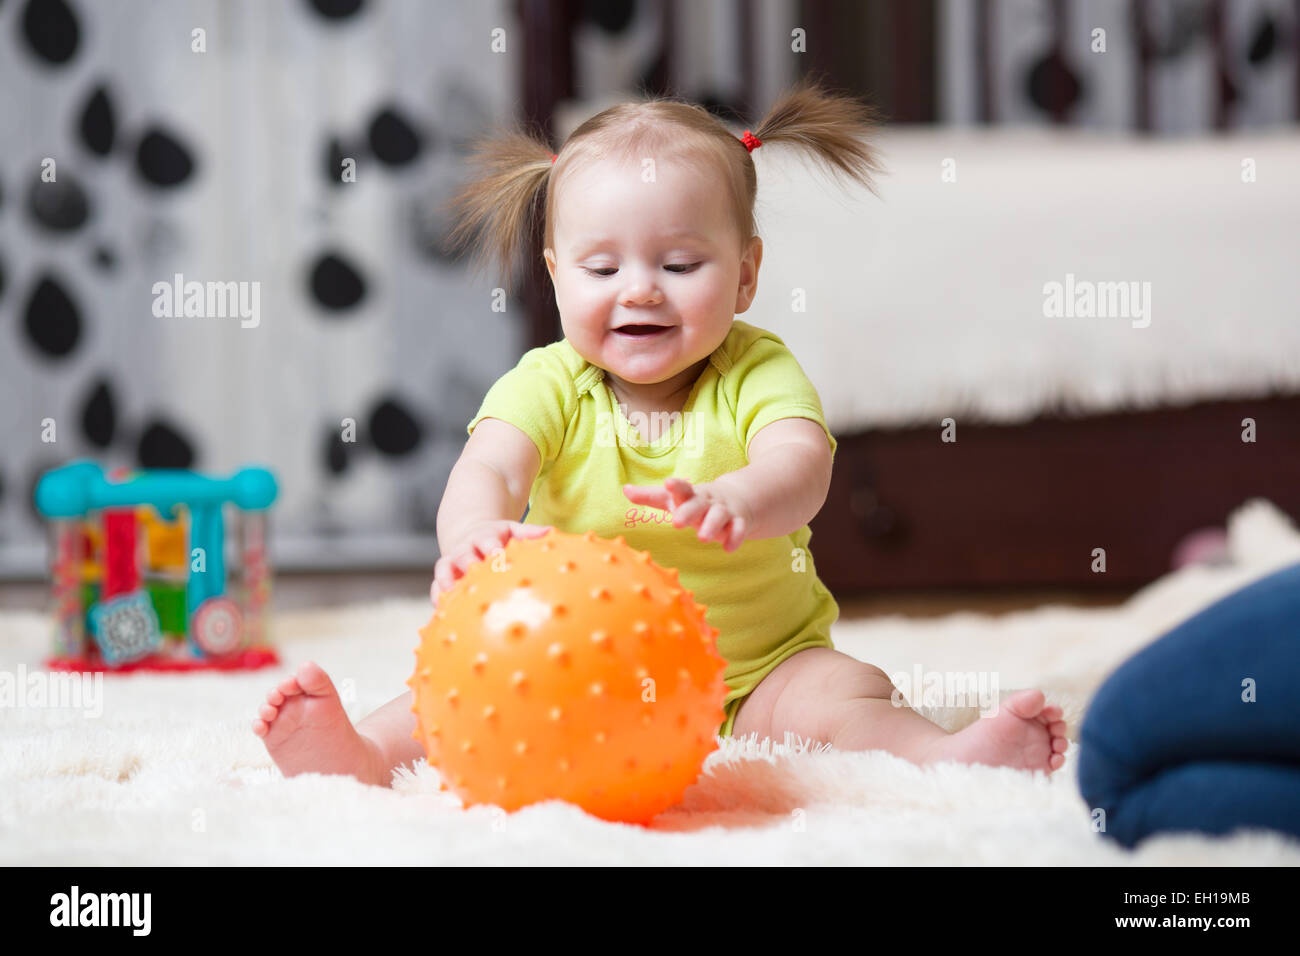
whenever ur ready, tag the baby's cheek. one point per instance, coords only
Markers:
(719, 296)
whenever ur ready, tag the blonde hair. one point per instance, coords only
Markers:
(496, 210)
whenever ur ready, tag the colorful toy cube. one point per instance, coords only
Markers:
(140, 570)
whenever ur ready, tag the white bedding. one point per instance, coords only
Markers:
(929, 301)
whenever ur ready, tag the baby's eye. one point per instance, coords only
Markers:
(603, 272)
(681, 268)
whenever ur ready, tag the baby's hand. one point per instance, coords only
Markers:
(719, 512)
(479, 542)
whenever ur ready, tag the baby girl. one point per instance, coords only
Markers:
(663, 418)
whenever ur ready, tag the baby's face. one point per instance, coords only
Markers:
(662, 253)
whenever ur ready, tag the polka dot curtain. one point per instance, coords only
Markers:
(289, 160)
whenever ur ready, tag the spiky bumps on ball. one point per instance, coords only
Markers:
(572, 667)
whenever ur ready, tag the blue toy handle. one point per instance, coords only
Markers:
(78, 488)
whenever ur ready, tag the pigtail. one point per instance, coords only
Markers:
(835, 129)
(496, 211)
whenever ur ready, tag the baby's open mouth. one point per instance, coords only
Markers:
(643, 330)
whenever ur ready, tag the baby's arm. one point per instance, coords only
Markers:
(786, 481)
(489, 482)
(778, 492)
(488, 487)
(485, 497)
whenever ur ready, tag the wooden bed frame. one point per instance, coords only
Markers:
(1026, 505)
(1005, 505)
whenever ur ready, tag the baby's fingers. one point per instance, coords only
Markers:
(736, 536)
(443, 579)
(714, 520)
(486, 548)
(680, 489)
(648, 495)
(691, 512)
(521, 530)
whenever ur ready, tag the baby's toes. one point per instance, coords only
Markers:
(274, 697)
(1057, 728)
(1025, 704)
(289, 687)
(1056, 761)
(313, 681)
(1060, 745)
(266, 715)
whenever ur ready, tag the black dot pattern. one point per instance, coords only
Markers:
(336, 9)
(104, 258)
(59, 206)
(163, 160)
(51, 320)
(1051, 78)
(163, 446)
(98, 125)
(335, 153)
(51, 31)
(335, 284)
(99, 415)
(393, 430)
(392, 139)
(612, 16)
(336, 452)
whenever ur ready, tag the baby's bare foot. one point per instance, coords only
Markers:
(306, 730)
(1023, 734)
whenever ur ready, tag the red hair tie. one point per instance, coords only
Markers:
(751, 141)
(553, 157)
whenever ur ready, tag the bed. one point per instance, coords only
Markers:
(1073, 432)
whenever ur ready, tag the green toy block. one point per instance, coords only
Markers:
(169, 604)
(89, 597)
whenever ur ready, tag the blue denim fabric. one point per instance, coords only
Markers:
(1169, 744)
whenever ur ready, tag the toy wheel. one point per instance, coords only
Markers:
(218, 627)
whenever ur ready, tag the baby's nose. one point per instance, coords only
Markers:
(641, 291)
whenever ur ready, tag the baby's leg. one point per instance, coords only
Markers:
(306, 730)
(828, 696)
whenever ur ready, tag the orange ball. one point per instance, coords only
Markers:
(569, 667)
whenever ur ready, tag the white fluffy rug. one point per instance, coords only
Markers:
(171, 774)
